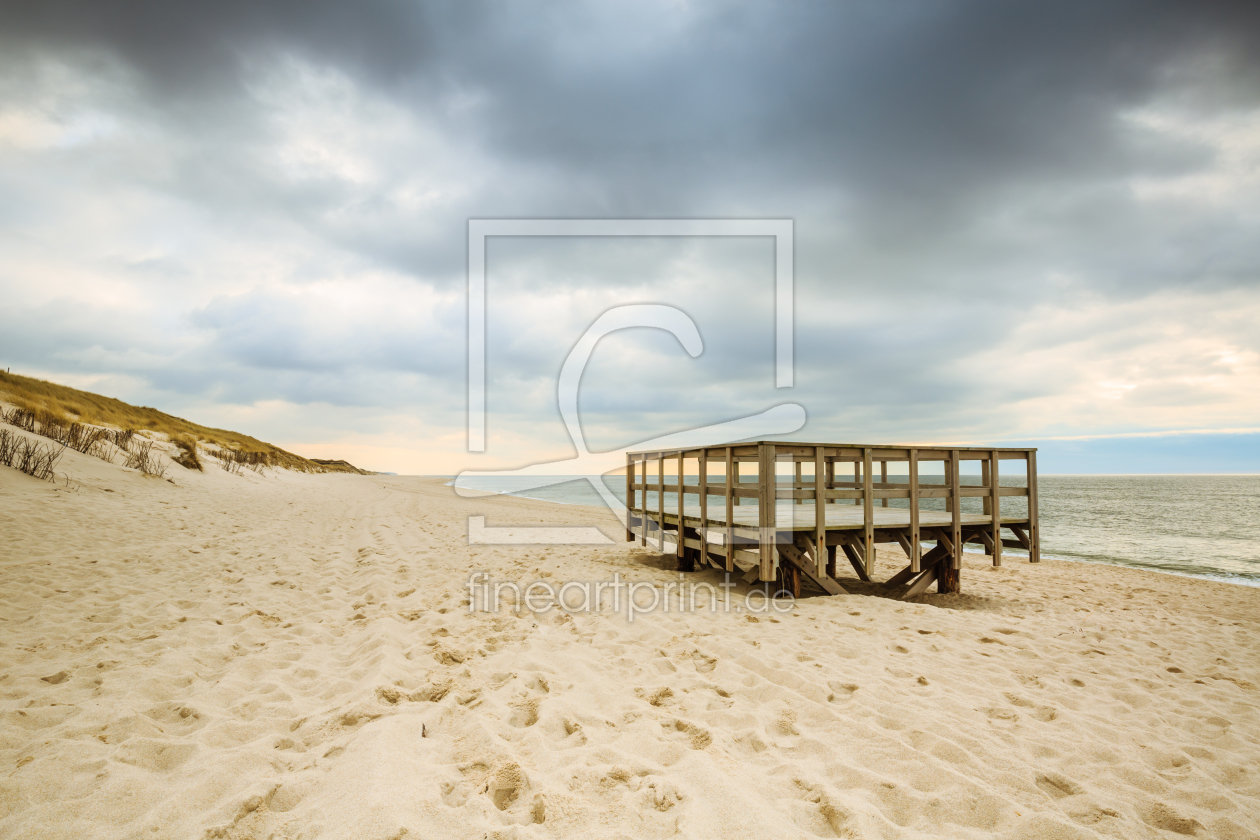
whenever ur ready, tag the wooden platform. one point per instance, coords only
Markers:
(770, 523)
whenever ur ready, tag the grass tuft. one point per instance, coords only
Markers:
(32, 457)
(187, 457)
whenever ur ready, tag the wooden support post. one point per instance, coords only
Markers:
(995, 503)
(915, 550)
(704, 503)
(735, 479)
(925, 579)
(643, 489)
(680, 549)
(793, 555)
(1034, 527)
(800, 472)
(766, 514)
(985, 479)
(947, 578)
(868, 514)
(820, 512)
(856, 560)
(629, 497)
(831, 561)
(730, 508)
(857, 478)
(831, 474)
(660, 501)
(883, 479)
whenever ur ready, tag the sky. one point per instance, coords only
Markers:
(1014, 223)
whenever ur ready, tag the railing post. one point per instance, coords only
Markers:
(730, 509)
(820, 514)
(660, 501)
(1034, 529)
(915, 551)
(643, 491)
(680, 549)
(703, 530)
(955, 492)
(766, 513)
(883, 479)
(868, 514)
(995, 495)
(629, 496)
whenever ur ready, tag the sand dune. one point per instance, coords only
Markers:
(292, 656)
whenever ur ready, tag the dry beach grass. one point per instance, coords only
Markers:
(291, 655)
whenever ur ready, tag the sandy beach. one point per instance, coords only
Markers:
(293, 656)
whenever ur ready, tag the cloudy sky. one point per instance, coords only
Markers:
(1014, 222)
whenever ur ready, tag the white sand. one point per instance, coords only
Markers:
(291, 656)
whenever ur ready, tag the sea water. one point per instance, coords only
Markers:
(1197, 525)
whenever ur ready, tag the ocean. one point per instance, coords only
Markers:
(1204, 526)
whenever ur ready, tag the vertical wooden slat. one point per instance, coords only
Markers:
(820, 514)
(915, 552)
(868, 513)
(704, 507)
(766, 492)
(732, 467)
(857, 477)
(995, 503)
(987, 500)
(883, 479)
(681, 548)
(1034, 523)
(799, 470)
(660, 501)
(733, 476)
(643, 491)
(955, 493)
(831, 474)
(629, 496)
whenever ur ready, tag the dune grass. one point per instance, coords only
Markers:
(68, 406)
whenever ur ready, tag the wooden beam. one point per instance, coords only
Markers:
(730, 511)
(1034, 524)
(1021, 536)
(660, 500)
(995, 502)
(915, 536)
(955, 485)
(855, 560)
(926, 579)
(868, 514)
(820, 511)
(883, 478)
(703, 461)
(766, 509)
(827, 584)
(629, 497)
(901, 577)
(681, 549)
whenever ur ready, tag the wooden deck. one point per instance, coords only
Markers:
(770, 523)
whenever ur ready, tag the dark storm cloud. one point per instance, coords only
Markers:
(911, 109)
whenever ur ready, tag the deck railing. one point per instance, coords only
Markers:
(830, 483)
